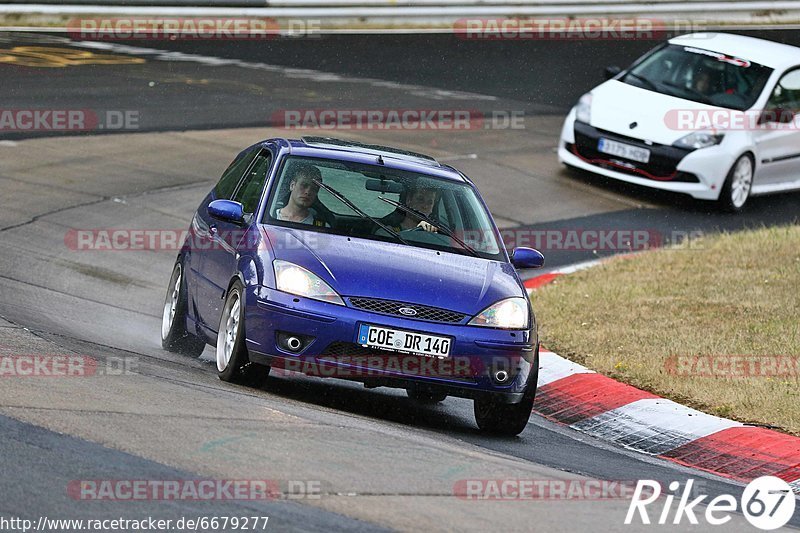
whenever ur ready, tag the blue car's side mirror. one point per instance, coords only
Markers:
(227, 210)
(527, 258)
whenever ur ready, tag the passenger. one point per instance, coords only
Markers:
(302, 195)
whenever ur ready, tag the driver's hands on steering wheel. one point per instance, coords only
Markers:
(427, 227)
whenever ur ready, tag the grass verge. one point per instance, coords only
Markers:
(715, 326)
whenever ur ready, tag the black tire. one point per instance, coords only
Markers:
(732, 198)
(493, 416)
(235, 366)
(174, 336)
(423, 396)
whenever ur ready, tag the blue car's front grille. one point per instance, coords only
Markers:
(414, 311)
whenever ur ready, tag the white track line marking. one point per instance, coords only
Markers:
(554, 367)
(653, 426)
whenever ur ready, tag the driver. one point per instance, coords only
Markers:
(705, 82)
(702, 82)
(420, 198)
(302, 195)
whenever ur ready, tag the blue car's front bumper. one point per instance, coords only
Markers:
(476, 354)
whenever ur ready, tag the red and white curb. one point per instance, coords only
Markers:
(543, 279)
(614, 412)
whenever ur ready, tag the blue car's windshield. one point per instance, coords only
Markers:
(379, 203)
(693, 73)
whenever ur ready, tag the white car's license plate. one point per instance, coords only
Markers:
(403, 341)
(634, 153)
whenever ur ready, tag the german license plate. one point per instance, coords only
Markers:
(399, 340)
(627, 151)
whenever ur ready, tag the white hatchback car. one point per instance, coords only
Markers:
(712, 115)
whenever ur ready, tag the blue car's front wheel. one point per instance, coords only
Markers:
(503, 419)
(494, 416)
(233, 362)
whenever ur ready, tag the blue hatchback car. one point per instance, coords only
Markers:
(347, 260)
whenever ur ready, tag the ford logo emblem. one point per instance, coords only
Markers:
(407, 311)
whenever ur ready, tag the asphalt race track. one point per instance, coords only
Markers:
(378, 460)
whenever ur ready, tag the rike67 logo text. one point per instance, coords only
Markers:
(767, 503)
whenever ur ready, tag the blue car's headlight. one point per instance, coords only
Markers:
(511, 313)
(295, 279)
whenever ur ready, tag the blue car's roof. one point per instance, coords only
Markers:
(346, 150)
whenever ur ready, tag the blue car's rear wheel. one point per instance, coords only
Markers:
(233, 363)
(174, 336)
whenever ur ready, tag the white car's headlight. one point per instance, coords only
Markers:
(297, 280)
(699, 139)
(511, 313)
(583, 109)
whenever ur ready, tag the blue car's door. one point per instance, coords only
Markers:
(229, 238)
(205, 295)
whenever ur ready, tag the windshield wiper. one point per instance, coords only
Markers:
(646, 81)
(694, 92)
(444, 229)
(339, 196)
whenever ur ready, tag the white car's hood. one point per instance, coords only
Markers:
(617, 105)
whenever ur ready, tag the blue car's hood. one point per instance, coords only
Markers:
(376, 269)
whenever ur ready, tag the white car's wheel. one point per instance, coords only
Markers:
(736, 190)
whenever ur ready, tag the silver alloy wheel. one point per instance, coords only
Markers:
(226, 339)
(171, 304)
(741, 181)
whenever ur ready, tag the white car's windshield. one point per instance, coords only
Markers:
(700, 75)
(375, 202)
